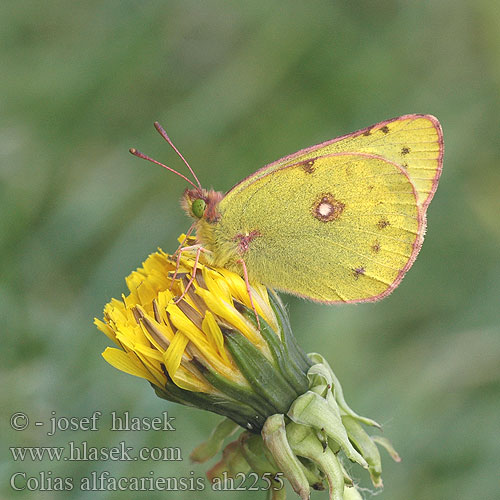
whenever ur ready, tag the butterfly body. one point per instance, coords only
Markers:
(341, 221)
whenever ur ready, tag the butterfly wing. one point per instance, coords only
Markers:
(339, 228)
(415, 142)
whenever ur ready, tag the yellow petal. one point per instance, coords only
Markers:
(148, 352)
(229, 314)
(200, 342)
(217, 287)
(159, 334)
(186, 380)
(258, 292)
(214, 334)
(109, 332)
(128, 363)
(173, 355)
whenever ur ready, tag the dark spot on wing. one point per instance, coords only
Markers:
(385, 129)
(358, 271)
(308, 166)
(383, 223)
(367, 132)
(405, 150)
(245, 239)
(376, 247)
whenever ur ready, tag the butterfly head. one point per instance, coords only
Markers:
(202, 204)
(197, 202)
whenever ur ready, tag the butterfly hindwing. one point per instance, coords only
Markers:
(341, 227)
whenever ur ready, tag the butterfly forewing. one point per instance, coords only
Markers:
(415, 142)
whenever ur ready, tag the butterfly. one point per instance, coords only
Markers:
(338, 222)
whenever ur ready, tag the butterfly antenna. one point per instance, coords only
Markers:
(162, 132)
(146, 157)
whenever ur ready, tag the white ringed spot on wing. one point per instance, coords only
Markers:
(326, 208)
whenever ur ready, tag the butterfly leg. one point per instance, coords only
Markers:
(178, 260)
(247, 283)
(188, 234)
(195, 268)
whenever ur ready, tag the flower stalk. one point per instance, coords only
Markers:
(202, 346)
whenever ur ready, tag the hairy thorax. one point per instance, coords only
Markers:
(222, 252)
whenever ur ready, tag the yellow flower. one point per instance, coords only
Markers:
(201, 345)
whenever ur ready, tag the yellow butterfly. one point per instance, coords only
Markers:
(341, 221)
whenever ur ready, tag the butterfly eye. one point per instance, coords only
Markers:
(198, 207)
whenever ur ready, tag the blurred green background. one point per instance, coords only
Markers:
(238, 85)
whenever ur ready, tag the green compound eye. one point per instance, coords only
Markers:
(198, 207)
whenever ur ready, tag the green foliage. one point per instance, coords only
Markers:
(237, 85)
